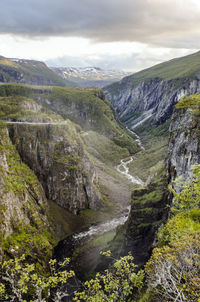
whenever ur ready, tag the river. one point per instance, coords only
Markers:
(112, 224)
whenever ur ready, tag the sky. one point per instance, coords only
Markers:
(112, 34)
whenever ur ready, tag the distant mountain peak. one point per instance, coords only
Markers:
(90, 75)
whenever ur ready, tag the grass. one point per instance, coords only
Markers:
(103, 148)
(86, 107)
(33, 72)
(149, 161)
(181, 69)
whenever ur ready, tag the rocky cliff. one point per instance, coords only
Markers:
(150, 205)
(149, 210)
(23, 206)
(184, 140)
(150, 95)
(55, 148)
(56, 155)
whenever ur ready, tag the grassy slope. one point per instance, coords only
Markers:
(179, 68)
(84, 106)
(32, 71)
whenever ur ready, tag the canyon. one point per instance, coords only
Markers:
(84, 169)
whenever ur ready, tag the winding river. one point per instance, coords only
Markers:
(112, 224)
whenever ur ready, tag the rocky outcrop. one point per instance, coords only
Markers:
(56, 155)
(149, 209)
(184, 144)
(22, 199)
(151, 99)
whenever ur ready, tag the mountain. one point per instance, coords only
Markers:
(151, 204)
(69, 140)
(146, 98)
(28, 72)
(63, 162)
(90, 76)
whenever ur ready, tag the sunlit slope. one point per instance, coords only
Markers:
(29, 72)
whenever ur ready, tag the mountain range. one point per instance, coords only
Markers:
(90, 76)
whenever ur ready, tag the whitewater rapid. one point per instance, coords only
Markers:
(102, 228)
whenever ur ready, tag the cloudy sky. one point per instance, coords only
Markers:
(113, 34)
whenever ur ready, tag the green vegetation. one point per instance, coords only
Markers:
(35, 242)
(86, 107)
(30, 72)
(173, 271)
(148, 162)
(22, 200)
(103, 148)
(189, 196)
(24, 108)
(180, 69)
(117, 284)
(20, 280)
(89, 108)
(192, 102)
(151, 135)
(18, 176)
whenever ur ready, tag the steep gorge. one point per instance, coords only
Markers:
(71, 141)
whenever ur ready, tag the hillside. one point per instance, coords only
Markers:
(146, 98)
(28, 72)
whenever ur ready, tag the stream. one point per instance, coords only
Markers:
(112, 224)
(124, 169)
(102, 228)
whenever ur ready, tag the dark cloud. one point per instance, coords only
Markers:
(159, 22)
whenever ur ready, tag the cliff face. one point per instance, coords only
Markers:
(152, 99)
(56, 155)
(23, 205)
(184, 144)
(149, 210)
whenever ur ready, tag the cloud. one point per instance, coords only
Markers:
(132, 62)
(169, 23)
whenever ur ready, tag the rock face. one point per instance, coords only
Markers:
(149, 209)
(22, 199)
(150, 205)
(184, 144)
(149, 95)
(149, 100)
(56, 155)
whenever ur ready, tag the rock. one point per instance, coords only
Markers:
(153, 99)
(149, 210)
(22, 200)
(184, 145)
(56, 155)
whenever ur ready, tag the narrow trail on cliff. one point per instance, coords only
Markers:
(36, 123)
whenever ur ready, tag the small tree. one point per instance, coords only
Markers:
(21, 282)
(189, 197)
(174, 271)
(115, 284)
